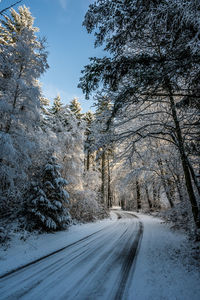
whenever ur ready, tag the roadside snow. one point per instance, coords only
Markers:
(164, 268)
(21, 252)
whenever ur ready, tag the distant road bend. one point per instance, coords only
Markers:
(98, 266)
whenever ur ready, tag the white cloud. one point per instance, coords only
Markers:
(63, 4)
(51, 91)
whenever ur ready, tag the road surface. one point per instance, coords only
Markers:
(98, 266)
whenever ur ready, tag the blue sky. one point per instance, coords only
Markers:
(69, 45)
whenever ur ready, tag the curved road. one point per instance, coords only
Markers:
(96, 267)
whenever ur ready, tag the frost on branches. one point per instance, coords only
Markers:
(48, 203)
(66, 130)
(30, 132)
(152, 77)
(22, 60)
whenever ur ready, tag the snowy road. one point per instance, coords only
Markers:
(98, 266)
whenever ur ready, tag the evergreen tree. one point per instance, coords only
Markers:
(22, 60)
(89, 118)
(44, 103)
(100, 142)
(75, 107)
(46, 206)
(57, 105)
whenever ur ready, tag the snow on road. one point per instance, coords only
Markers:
(93, 268)
(106, 260)
(23, 251)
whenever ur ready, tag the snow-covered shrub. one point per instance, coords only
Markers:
(4, 236)
(86, 207)
(180, 216)
(47, 204)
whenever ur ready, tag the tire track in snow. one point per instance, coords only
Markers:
(48, 255)
(99, 254)
(119, 262)
(26, 278)
(128, 263)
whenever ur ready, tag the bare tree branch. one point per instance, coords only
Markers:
(5, 9)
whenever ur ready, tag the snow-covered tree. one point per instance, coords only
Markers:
(98, 145)
(57, 105)
(48, 200)
(44, 103)
(66, 135)
(89, 157)
(75, 107)
(154, 57)
(30, 132)
(22, 60)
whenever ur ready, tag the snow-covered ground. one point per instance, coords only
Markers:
(102, 263)
(165, 268)
(21, 252)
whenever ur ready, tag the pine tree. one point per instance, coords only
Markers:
(22, 60)
(57, 105)
(89, 118)
(75, 107)
(46, 206)
(44, 103)
(100, 142)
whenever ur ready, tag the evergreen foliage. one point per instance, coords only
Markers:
(75, 107)
(22, 60)
(29, 131)
(47, 203)
(57, 105)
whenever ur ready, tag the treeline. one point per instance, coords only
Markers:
(50, 175)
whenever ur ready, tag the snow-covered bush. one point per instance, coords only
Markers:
(4, 236)
(86, 207)
(47, 204)
(180, 216)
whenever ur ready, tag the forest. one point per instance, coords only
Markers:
(139, 149)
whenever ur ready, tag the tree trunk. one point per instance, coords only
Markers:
(154, 195)
(8, 125)
(88, 161)
(160, 165)
(188, 181)
(103, 177)
(109, 186)
(139, 206)
(178, 186)
(158, 203)
(194, 176)
(148, 198)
